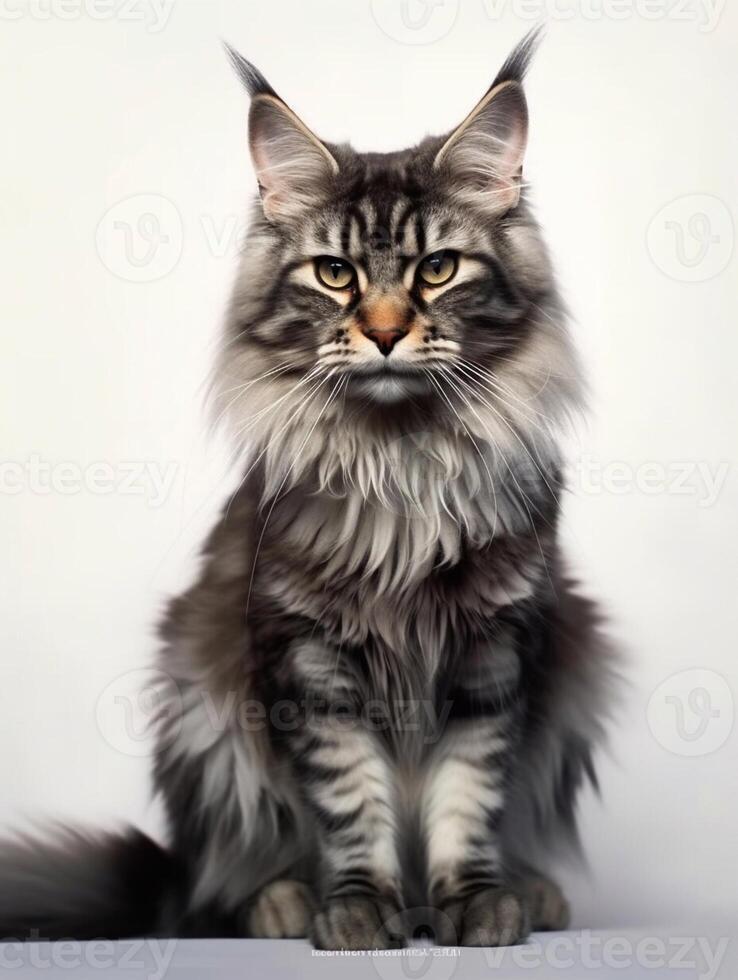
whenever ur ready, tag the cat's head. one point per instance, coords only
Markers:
(395, 285)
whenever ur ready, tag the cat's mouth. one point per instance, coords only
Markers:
(389, 382)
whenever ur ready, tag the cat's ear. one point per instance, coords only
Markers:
(293, 167)
(483, 157)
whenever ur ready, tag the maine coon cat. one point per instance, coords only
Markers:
(411, 686)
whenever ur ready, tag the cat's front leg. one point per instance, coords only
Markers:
(463, 802)
(350, 785)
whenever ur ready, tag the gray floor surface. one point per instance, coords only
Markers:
(696, 954)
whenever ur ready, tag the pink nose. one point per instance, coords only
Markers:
(385, 338)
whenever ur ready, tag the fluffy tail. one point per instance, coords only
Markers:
(85, 887)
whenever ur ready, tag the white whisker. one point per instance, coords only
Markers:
(276, 496)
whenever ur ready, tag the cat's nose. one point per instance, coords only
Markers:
(385, 337)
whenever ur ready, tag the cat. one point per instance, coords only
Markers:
(418, 685)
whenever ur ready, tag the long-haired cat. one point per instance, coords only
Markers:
(412, 688)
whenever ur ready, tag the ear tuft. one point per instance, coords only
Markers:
(253, 80)
(293, 167)
(483, 157)
(518, 61)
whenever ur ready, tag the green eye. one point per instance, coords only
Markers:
(438, 268)
(334, 273)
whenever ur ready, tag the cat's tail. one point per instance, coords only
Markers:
(84, 886)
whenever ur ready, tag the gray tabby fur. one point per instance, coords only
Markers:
(392, 544)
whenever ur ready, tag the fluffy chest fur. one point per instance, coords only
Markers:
(409, 552)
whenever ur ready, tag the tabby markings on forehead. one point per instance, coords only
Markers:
(411, 233)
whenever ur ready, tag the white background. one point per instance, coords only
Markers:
(633, 110)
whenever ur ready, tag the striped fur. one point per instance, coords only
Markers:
(390, 693)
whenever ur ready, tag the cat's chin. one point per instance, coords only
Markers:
(388, 387)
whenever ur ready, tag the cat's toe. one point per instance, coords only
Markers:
(282, 910)
(549, 910)
(493, 917)
(356, 922)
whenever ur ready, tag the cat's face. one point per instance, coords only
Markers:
(415, 277)
(393, 281)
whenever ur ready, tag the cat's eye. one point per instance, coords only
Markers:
(335, 273)
(438, 268)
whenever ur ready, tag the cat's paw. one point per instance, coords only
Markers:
(356, 922)
(282, 910)
(492, 917)
(549, 910)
